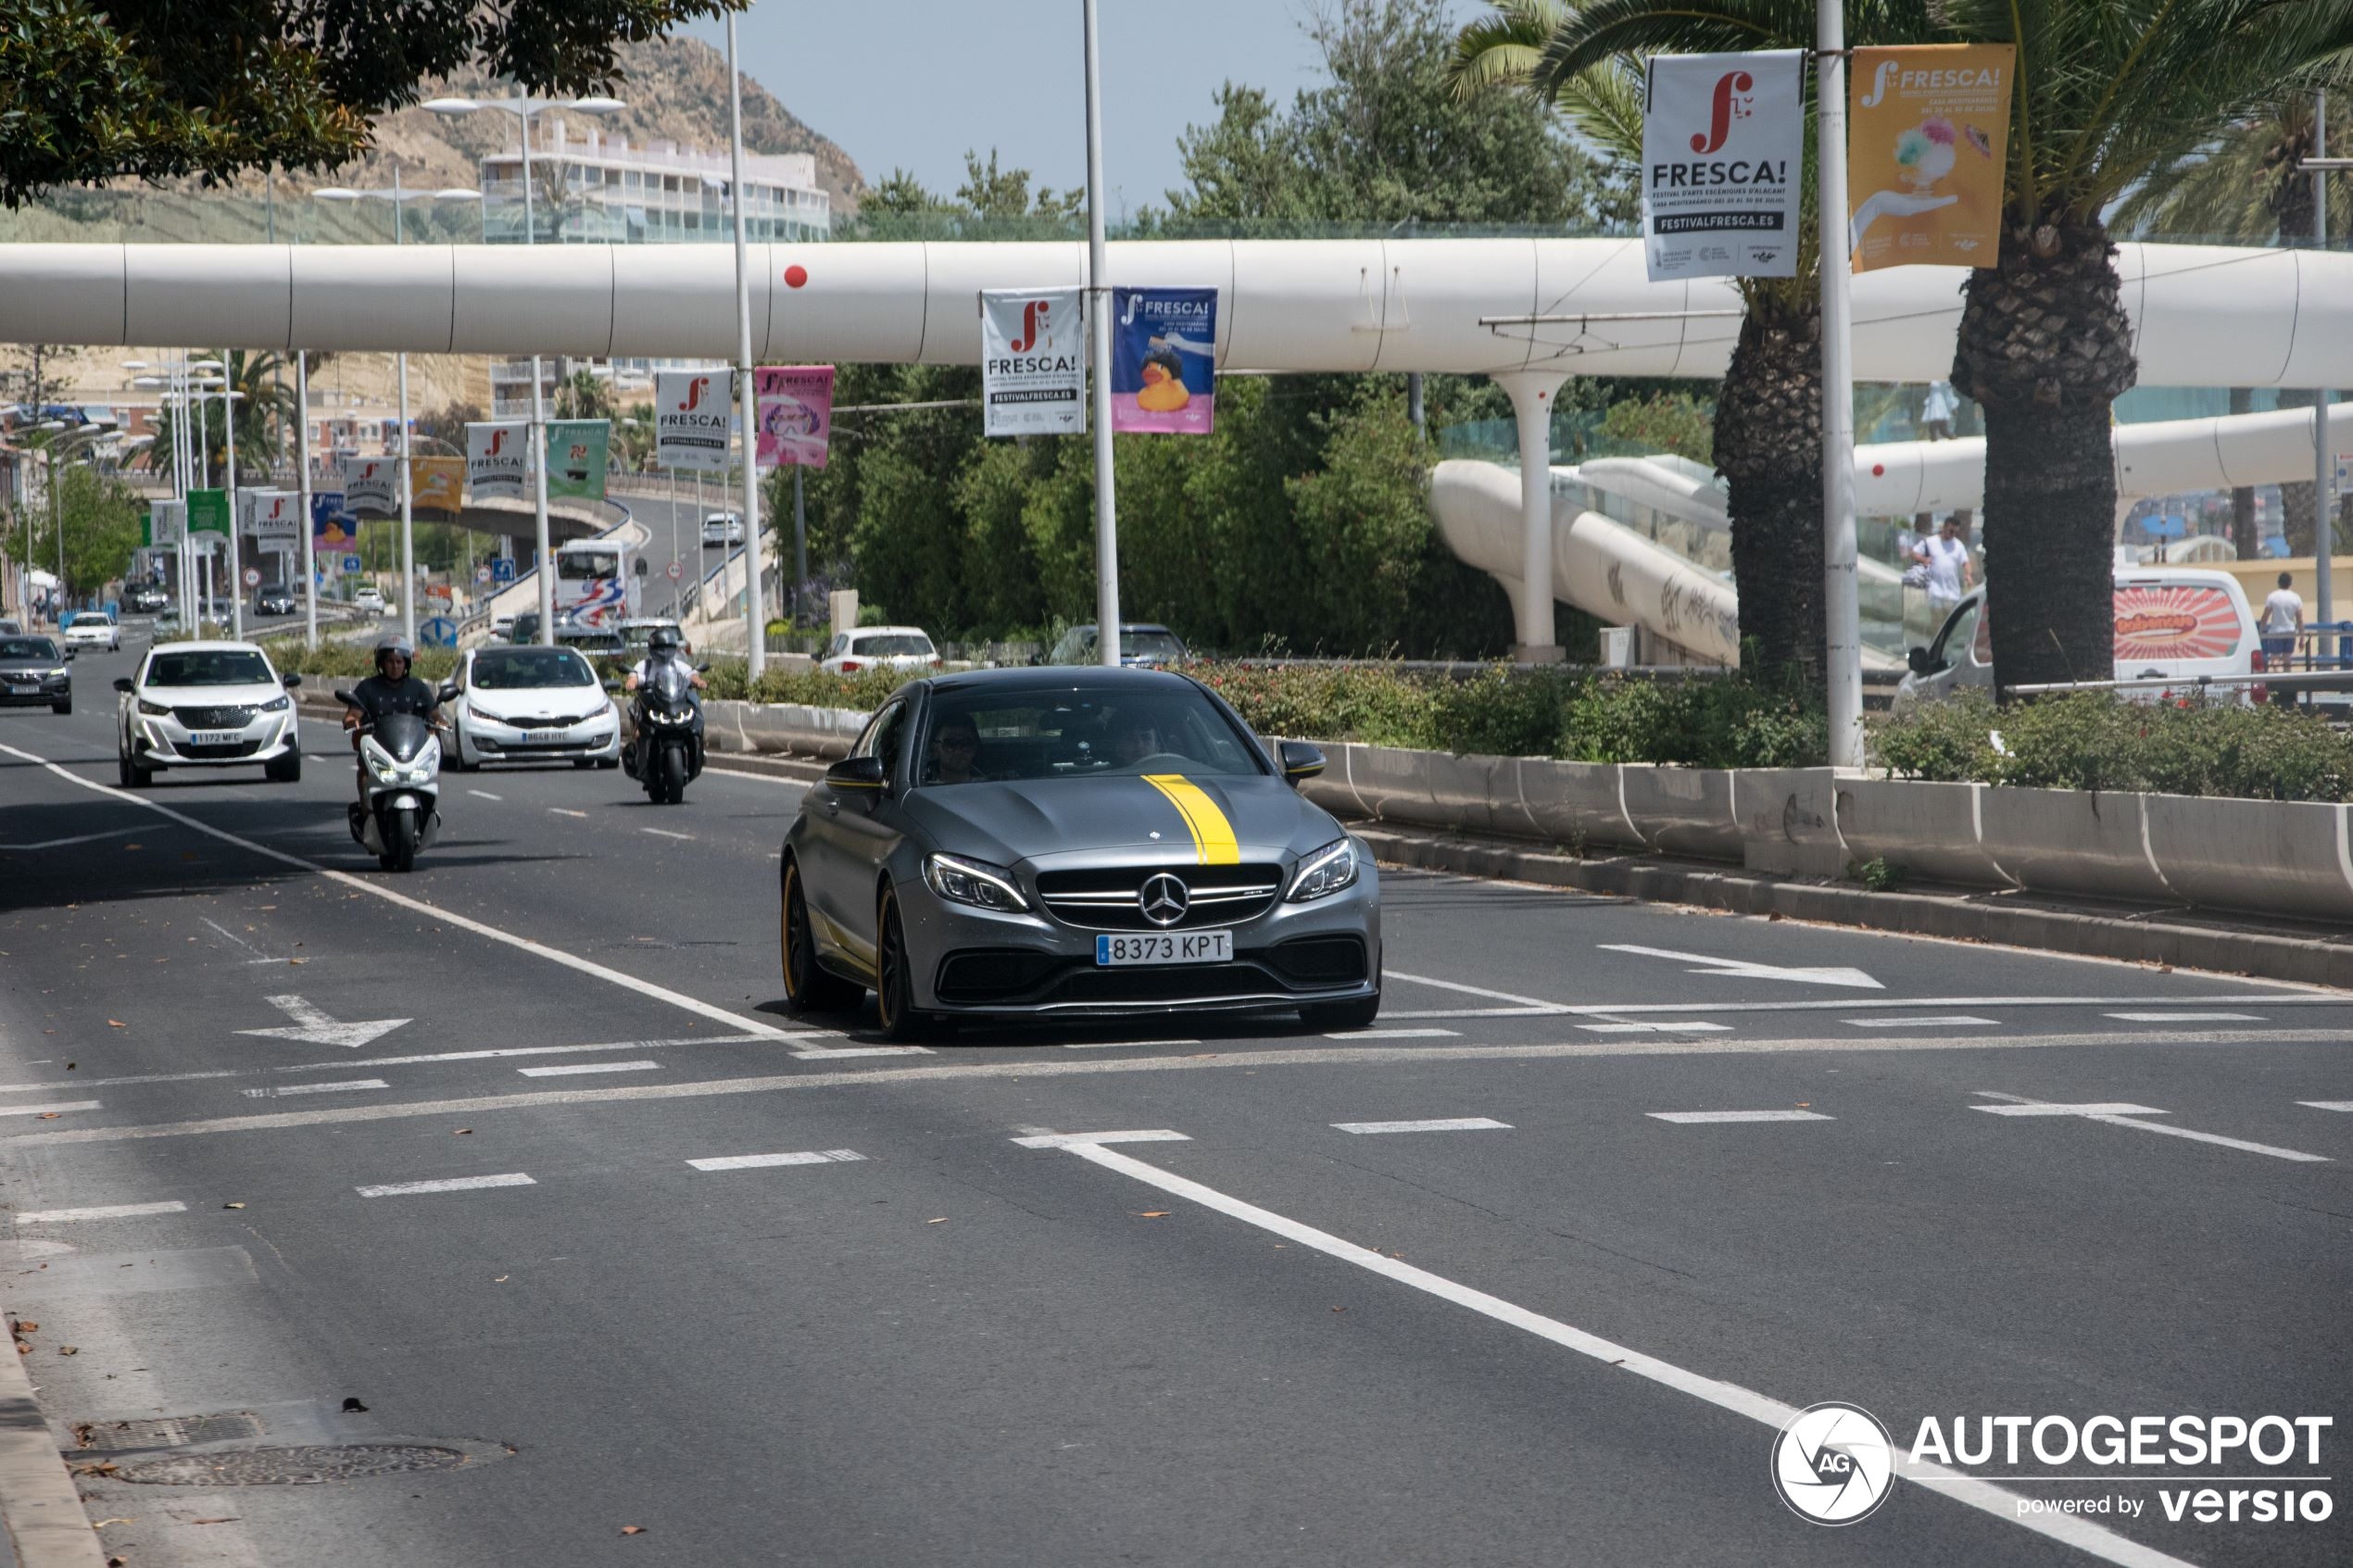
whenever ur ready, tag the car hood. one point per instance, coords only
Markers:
(28, 666)
(249, 696)
(1122, 820)
(538, 702)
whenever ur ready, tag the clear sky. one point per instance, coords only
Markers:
(912, 84)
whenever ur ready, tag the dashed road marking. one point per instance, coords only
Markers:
(2187, 1017)
(665, 832)
(2127, 1116)
(1393, 1034)
(486, 795)
(760, 1162)
(1120, 1045)
(1954, 1020)
(1442, 1125)
(1535, 1004)
(2097, 1108)
(2328, 1104)
(105, 1211)
(1698, 1116)
(458, 1183)
(275, 1090)
(1647, 1026)
(566, 811)
(1085, 1140)
(576, 1069)
(55, 1108)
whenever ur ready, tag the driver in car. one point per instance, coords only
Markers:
(390, 690)
(1135, 737)
(664, 647)
(955, 753)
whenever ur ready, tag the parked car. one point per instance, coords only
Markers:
(33, 671)
(145, 601)
(879, 647)
(369, 601)
(10, 626)
(721, 528)
(205, 704)
(533, 704)
(2172, 622)
(91, 628)
(274, 599)
(1141, 643)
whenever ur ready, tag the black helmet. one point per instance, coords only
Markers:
(664, 640)
(391, 645)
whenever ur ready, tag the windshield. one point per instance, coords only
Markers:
(27, 647)
(580, 566)
(523, 669)
(639, 637)
(1080, 731)
(1150, 645)
(898, 643)
(209, 667)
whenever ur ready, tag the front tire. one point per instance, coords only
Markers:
(400, 842)
(808, 986)
(895, 978)
(674, 773)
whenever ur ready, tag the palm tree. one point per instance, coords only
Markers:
(1581, 56)
(265, 414)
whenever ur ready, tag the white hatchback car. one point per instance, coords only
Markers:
(721, 528)
(527, 703)
(91, 628)
(370, 601)
(879, 647)
(207, 705)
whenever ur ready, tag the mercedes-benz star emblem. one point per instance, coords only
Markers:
(1165, 899)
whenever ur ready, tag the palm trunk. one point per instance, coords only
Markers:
(2243, 535)
(1768, 445)
(2045, 349)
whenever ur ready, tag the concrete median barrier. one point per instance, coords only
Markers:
(1929, 830)
(2075, 841)
(2264, 856)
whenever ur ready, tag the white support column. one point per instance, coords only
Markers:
(1842, 608)
(1532, 394)
(2323, 453)
(302, 480)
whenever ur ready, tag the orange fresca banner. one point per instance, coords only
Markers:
(440, 483)
(1926, 130)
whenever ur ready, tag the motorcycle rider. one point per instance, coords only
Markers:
(392, 689)
(664, 646)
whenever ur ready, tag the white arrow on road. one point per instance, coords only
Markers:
(312, 1024)
(1739, 969)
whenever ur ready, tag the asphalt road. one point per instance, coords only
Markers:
(1258, 1337)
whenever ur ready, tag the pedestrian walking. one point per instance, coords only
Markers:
(1951, 574)
(2283, 618)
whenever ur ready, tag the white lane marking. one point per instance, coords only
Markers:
(1956, 1020)
(312, 1025)
(52, 1108)
(829, 1053)
(1647, 1026)
(1120, 1045)
(77, 838)
(486, 795)
(574, 1069)
(275, 1090)
(760, 1162)
(564, 811)
(105, 1211)
(406, 1061)
(1393, 1034)
(418, 905)
(665, 832)
(2328, 1104)
(458, 1183)
(234, 937)
(1535, 1002)
(2127, 1116)
(1852, 1004)
(1253, 1061)
(1442, 1125)
(1077, 1140)
(2187, 1017)
(2072, 1529)
(2039, 1108)
(1470, 1012)
(1742, 969)
(1688, 1117)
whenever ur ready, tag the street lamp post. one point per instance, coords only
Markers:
(523, 106)
(755, 622)
(1099, 337)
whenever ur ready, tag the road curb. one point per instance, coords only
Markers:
(2141, 936)
(40, 1505)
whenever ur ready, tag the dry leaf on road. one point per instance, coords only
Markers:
(941, 1220)
(633, 1529)
(1150, 1213)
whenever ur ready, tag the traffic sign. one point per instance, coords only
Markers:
(673, 571)
(351, 566)
(502, 570)
(439, 631)
(253, 577)
(481, 574)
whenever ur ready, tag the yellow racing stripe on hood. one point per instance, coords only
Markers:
(1213, 834)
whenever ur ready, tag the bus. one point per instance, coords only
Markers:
(594, 585)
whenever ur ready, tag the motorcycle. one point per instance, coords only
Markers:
(666, 752)
(397, 813)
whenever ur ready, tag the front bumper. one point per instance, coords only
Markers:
(44, 691)
(596, 739)
(167, 743)
(972, 962)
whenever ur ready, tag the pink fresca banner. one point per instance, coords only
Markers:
(796, 404)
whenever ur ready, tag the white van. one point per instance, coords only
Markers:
(2172, 622)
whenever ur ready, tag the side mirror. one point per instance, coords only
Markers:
(293, 681)
(702, 669)
(447, 694)
(856, 772)
(68, 652)
(1300, 761)
(122, 684)
(612, 682)
(1919, 661)
(346, 699)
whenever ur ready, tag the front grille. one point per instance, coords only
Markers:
(1320, 960)
(534, 749)
(228, 753)
(215, 718)
(1112, 899)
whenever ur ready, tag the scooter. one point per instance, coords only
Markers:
(397, 813)
(667, 751)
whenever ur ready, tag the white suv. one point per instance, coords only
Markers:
(91, 628)
(205, 704)
(370, 600)
(721, 528)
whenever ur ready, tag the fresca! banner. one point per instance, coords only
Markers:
(333, 526)
(796, 404)
(1033, 362)
(1164, 360)
(167, 523)
(439, 484)
(270, 515)
(576, 458)
(371, 484)
(497, 459)
(692, 418)
(1926, 130)
(1723, 140)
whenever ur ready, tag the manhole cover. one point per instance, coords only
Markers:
(289, 1467)
(169, 1432)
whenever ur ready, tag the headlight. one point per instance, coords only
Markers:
(478, 716)
(973, 882)
(154, 709)
(276, 705)
(59, 673)
(1326, 871)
